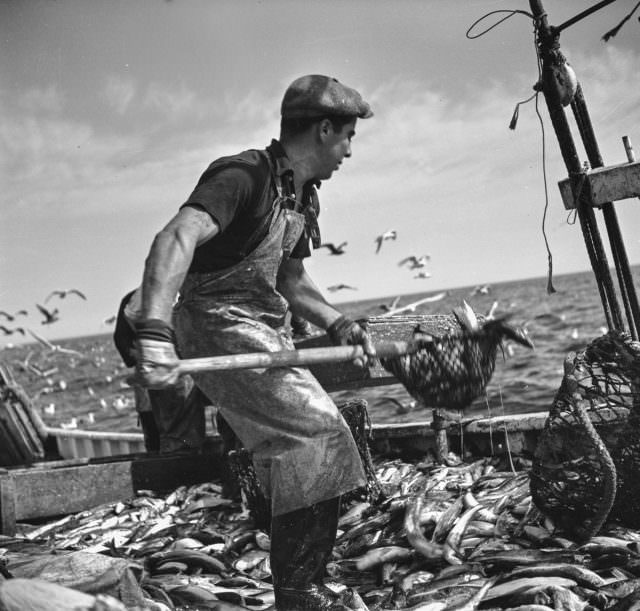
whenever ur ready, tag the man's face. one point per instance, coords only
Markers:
(336, 145)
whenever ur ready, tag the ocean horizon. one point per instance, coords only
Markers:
(90, 389)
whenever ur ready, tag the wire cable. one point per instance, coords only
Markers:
(511, 13)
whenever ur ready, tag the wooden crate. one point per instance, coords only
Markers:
(54, 488)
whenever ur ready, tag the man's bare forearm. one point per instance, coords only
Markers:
(304, 297)
(169, 259)
(165, 270)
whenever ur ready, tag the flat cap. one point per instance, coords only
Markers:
(316, 95)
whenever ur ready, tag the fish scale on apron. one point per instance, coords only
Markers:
(302, 448)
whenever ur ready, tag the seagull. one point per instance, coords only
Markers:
(338, 287)
(415, 262)
(91, 418)
(24, 365)
(53, 347)
(12, 317)
(492, 310)
(43, 373)
(387, 235)
(12, 331)
(334, 250)
(423, 275)
(63, 294)
(388, 307)
(411, 307)
(72, 424)
(49, 316)
(109, 321)
(481, 289)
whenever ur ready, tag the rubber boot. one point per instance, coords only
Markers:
(301, 545)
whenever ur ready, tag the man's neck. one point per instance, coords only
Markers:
(301, 160)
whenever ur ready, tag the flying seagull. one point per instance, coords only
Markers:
(415, 262)
(24, 365)
(12, 317)
(53, 347)
(388, 307)
(387, 235)
(333, 249)
(11, 331)
(50, 316)
(411, 307)
(339, 287)
(63, 294)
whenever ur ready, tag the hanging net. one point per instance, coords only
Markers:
(357, 418)
(452, 369)
(587, 458)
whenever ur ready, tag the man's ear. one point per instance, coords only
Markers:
(325, 127)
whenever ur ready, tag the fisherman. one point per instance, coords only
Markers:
(235, 253)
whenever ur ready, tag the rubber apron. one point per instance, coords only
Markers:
(302, 448)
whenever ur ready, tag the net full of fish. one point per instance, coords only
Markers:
(453, 368)
(439, 537)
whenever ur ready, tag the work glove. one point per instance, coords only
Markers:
(347, 332)
(157, 361)
(300, 327)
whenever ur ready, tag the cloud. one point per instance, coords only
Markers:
(172, 102)
(432, 158)
(609, 80)
(459, 182)
(119, 92)
(38, 99)
(254, 107)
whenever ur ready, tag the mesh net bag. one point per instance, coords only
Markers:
(356, 416)
(591, 440)
(452, 369)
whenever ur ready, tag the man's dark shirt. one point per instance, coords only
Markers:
(238, 192)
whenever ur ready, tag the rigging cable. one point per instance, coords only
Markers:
(514, 120)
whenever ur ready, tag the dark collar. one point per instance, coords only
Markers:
(283, 164)
(279, 156)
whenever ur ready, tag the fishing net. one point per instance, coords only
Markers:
(587, 459)
(451, 368)
(356, 416)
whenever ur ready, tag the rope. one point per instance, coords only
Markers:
(592, 526)
(510, 12)
(550, 287)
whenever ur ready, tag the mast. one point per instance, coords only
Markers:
(561, 88)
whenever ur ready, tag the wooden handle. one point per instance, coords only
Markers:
(302, 357)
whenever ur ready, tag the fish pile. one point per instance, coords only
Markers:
(441, 537)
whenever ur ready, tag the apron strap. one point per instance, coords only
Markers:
(310, 205)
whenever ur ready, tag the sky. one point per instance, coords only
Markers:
(110, 111)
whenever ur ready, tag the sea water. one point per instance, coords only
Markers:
(91, 392)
